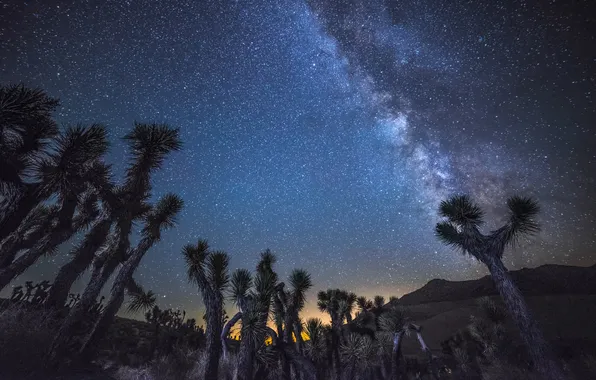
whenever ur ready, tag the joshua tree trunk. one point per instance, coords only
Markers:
(246, 359)
(213, 332)
(72, 323)
(336, 332)
(396, 354)
(82, 259)
(287, 341)
(116, 298)
(278, 308)
(288, 330)
(538, 347)
(431, 362)
(101, 327)
(298, 333)
(304, 366)
(226, 331)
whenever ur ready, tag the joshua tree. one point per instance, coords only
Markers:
(346, 306)
(461, 230)
(240, 284)
(161, 217)
(431, 362)
(378, 303)
(329, 302)
(290, 303)
(315, 347)
(149, 145)
(26, 129)
(360, 356)
(300, 282)
(29, 290)
(82, 256)
(393, 322)
(253, 296)
(73, 299)
(209, 271)
(64, 172)
(363, 304)
(140, 301)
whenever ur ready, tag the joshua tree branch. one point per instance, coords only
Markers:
(226, 331)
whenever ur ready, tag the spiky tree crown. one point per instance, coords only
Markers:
(74, 152)
(379, 301)
(207, 269)
(463, 217)
(195, 256)
(393, 320)
(26, 130)
(149, 144)
(240, 284)
(163, 215)
(300, 282)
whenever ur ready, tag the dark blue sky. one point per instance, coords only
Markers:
(328, 131)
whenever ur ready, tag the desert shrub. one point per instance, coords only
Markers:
(25, 337)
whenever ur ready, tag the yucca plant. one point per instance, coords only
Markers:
(253, 295)
(149, 145)
(63, 172)
(83, 254)
(332, 301)
(26, 130)
(316, 345)
(359, 355)
(363, 304)
(300, 282)
(461, 230)
(378, 302)
(393, 323)
(208, 270)
(140, 300)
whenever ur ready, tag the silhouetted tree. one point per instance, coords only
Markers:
(64, 172)
(149, 145)
(393, 322)
(26, 130)
(461, 230)
(209, 271)
(161, 217)
(329, 302)
(253, 296)
(316, 345)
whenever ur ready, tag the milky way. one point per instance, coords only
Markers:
(329, 131)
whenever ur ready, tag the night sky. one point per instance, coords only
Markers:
(328, 131)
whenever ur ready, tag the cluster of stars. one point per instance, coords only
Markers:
(329, 130)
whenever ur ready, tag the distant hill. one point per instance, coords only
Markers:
(540, 281)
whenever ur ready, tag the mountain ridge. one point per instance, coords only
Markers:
(547, 279)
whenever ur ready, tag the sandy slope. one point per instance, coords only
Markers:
(567, 320)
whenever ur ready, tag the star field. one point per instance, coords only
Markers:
(329, 131)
